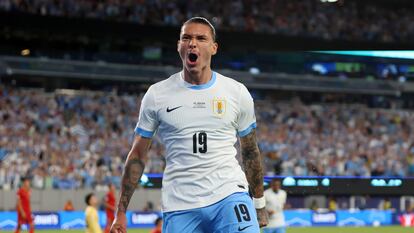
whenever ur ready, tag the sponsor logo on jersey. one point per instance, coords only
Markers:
(172, 109)
(244, 228)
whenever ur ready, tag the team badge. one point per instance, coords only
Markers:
(219, 107)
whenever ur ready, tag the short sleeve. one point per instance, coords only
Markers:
(147, 120)
(246, 118)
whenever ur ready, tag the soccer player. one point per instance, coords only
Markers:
(91, 214)
(275, 203)
(110, 207)
(23, 209)
(158, 226)
(198, 114)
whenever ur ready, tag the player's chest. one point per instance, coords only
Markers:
(209, 110)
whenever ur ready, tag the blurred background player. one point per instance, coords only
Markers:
(110, 206)
(91, 214)
(24, 211)
(158, 226)
(275, 203)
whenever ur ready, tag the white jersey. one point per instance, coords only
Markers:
(198, 125)
(275, 202)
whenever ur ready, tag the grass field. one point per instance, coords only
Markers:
(393, 229)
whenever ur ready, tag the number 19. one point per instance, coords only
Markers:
(202, 142)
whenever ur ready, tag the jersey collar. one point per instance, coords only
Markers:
(201, 86)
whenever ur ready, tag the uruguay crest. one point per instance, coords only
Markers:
(219, 107)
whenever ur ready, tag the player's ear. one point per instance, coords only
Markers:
(178, 45)
(214, 48)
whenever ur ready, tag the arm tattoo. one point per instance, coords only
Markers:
(252, 163)
(134, 167)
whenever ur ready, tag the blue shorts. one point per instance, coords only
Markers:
(234, 213)
(274, 230)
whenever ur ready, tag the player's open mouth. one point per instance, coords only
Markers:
(192, 58)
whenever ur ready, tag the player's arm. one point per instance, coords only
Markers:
(108, 206)
(284, 202)
(269, 210)
(111, 207)
(20, 207)
(254, 172)
(133, 169)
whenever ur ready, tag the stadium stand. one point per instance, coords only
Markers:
(73, 139)
(313, 18)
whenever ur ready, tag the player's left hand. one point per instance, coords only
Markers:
(262, 217)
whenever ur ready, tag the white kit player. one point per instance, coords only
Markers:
(275, 203)
(198, 114)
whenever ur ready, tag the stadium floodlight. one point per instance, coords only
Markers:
(329, 0)
(402, 54)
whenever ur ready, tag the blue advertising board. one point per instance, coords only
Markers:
(364, 217)
(74, 219)
(8, 220)
(324, 218)
(298, 218)
(143, 219)
(46, 220)
(42, 220)
(294, 218)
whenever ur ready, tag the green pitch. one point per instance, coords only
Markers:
(393, 229)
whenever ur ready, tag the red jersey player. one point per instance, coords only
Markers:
(158, 226)
(24, 212)
(110, 207)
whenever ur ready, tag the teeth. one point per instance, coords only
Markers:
(192, 57)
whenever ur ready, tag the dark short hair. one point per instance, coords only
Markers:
(24, 178)
(88, 198)
(158, 220)
(202, 20)
(274, 180)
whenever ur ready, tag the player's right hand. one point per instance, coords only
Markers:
(23, 215)
(119, 224)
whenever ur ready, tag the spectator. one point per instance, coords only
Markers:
(385, 204)
(332, 205)
(313, 18)
(69, 139)
(68, 206)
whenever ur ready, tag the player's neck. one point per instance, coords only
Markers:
(198, 78)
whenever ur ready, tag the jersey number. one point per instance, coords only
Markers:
(242, 212)
(200, 142)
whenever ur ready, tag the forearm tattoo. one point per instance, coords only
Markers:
(252, 163)
(134, 167)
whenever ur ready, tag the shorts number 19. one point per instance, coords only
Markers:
(242, 212)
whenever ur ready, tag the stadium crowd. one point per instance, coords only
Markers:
(344, 20)
(335, 139)
(70, 140)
